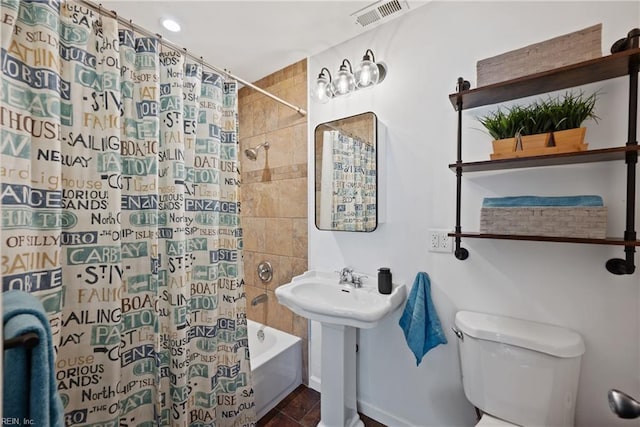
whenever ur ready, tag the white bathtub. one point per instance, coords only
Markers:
(276, 365)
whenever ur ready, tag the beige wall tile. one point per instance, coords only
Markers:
(293, 200)
(279, 316)
(299, 266)
(300, 79)
(279, 239)
(301, 67)
(250, 265)
(281, 271)
(299, 96)
(289, 172)
(257, 312)
(251, 177)
(300, 239)
(253, 236)
(300, 326)
(271, 114)
(259, 116)
(248, 200)
(273, 192)
(299, 144)
(244, 115)
(288, 116)
(259, 200)
(289, 72)
(281, 152)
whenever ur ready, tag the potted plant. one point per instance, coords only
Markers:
(529, 130)
(503, 126)
(567, 116)
(536, 128)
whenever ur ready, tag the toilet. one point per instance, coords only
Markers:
(518, 372)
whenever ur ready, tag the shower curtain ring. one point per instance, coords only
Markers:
(99, 20)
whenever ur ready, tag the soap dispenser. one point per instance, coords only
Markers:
(384, 280)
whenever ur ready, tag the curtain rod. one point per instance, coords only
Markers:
(112, 13)
(349, 134)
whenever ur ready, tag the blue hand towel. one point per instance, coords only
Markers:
(556, 201)
(29, 377)
(420, 321)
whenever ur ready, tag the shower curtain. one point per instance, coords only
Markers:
(120, 211)
(354, 183)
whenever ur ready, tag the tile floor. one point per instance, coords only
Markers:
(301, 409)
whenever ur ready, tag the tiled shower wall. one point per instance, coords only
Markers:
(274, 194)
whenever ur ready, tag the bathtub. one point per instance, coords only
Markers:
(276, 365)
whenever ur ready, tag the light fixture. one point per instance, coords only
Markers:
(344, 83)
(369, 73)
(171, 25)
(321, 92)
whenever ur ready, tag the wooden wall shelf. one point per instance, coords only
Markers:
(600, 155)
(607, 241)
(620, 64)
(594, 70)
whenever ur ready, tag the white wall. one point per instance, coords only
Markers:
(564, 284)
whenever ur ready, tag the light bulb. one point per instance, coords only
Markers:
(344, 83)
(322, 90)
(367, 74)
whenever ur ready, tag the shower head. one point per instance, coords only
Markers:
(623, 405)
(252, 153)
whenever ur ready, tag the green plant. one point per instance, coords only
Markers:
(552, 114)
(541, 117)
(504, 124)
(572, 110)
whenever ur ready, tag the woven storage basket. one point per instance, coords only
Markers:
(574, 221)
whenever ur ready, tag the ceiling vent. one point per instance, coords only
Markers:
(380, 11)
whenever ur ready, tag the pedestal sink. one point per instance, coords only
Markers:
(340, 309)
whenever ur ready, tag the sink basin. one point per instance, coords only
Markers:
(340, 309)
(317, 295)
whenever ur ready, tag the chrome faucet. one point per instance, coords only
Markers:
(348, 278)
(346, 275)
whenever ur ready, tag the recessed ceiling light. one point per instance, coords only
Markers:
(171, 25)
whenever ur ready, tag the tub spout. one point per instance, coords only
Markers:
(259, 299)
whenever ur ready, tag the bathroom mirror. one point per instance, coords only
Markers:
(346, 179)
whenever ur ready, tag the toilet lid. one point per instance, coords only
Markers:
(489, 421)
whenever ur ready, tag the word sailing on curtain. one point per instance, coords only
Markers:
(120, 211)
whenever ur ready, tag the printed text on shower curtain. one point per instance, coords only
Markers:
(354, 183)
(120, 211)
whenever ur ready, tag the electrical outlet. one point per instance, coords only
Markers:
(439, 241)
(434, 241)
(445, 242)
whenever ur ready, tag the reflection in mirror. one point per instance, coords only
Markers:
(346, 174)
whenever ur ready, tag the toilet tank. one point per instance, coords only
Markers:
(520, 371)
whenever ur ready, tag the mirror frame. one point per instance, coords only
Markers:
(318, 169)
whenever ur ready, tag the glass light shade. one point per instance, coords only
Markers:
(321, 92)
(344, 83)
(367, 74)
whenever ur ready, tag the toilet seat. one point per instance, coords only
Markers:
(489, 421)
